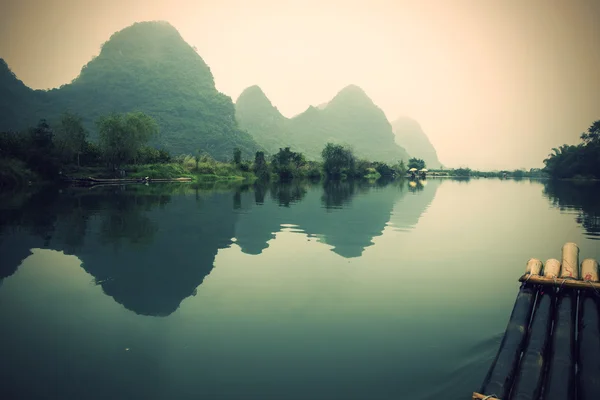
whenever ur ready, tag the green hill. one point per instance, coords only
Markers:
(146, 67)
(350, 118)
(256, 114)
(411, 135)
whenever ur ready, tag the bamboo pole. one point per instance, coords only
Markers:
(570, 261)
(560, 282)
(588, 343)
(501, 374)
(529, 378)
(589, 270)
(560, 376)
(552, 268)
(534, 267)
(479, 396)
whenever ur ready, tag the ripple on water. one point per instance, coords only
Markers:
(467, 373)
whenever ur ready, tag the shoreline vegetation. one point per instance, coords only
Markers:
(45, 155)
(577, 162)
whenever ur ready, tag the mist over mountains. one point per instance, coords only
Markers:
(410, 134)
(149, 67)
(145, 67)
(350, 118)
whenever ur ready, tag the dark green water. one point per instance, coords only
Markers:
(282, 292)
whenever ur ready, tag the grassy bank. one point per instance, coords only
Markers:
(207, 172)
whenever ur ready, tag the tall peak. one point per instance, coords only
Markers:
(351, 94)
(253, 93)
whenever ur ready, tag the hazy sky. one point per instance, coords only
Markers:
(494, 83)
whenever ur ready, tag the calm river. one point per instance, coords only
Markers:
(347, 291)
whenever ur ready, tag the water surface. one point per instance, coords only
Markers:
(298, 291)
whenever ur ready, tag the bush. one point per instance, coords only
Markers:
(244, 166)
(338, 162)
(384, 170)
(14, 174)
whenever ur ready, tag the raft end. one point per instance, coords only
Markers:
(560, 282)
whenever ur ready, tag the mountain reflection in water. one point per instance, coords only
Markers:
(150, 247)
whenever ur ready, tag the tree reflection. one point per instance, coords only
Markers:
(288, 193)
(581, 197)
(150, 247)
(260, 190)
(336, 194)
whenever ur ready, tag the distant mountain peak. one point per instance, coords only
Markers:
(253, 93)
(147, 37)
(150, 46)
(145, 67)
(254, 100)
(350, 118)
(410, 135)
(351, 94)
(352, 90)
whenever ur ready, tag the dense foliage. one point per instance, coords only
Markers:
(121, 136)
(260, 168)
(338, 161)
(122, 152)
(416, 163)
(70, 137)
(45, 152)
(146, 67)
(286, 163)
(582, 160)
(350, 119)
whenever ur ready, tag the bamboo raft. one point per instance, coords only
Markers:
(551, 347)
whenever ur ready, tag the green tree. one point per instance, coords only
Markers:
(298, 160)
(462, 172)
(518, 173)
(400, 168)
(583, 160)
(39, 153)
(197, 158)
(286, 163)
(41, 136)
(592, 136)
(70, 136)
(338, 161)
(122, 135)
(260, 165)
(237, 156)
(416, 163)
(383, 169)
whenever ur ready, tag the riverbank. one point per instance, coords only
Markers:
(14, 173)
(162, 171)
